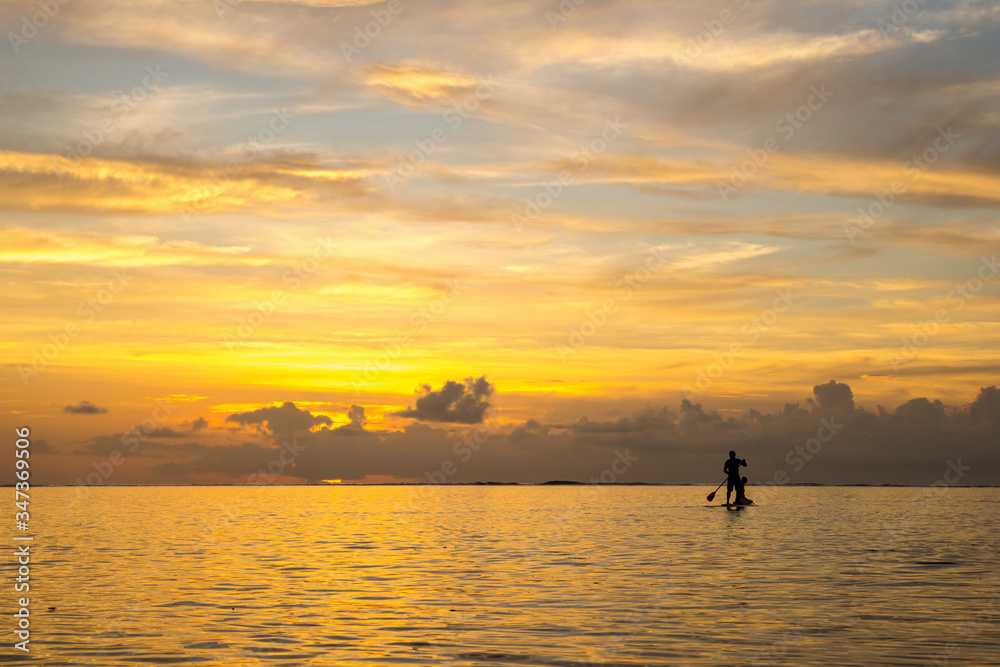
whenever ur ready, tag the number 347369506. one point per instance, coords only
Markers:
(22, 473)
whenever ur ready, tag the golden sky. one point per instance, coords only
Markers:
(604, 209)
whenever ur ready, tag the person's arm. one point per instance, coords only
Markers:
(725, 467)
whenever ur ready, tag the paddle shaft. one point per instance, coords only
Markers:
(711, 496)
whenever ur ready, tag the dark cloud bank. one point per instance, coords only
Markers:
(826, 438)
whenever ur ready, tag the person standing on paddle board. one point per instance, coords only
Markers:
(732, 468)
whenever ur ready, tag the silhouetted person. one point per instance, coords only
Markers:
(741, 493)
(732, 468)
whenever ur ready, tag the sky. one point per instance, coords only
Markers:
(278, 242)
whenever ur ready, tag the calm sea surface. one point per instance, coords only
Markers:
(510, 576)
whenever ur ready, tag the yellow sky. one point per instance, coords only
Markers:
(627, 207)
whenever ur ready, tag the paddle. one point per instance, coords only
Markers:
(711, 496)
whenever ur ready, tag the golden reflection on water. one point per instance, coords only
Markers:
(341, 575)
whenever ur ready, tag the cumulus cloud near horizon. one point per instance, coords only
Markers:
(454, 402)
(282, 422)
(825, 438)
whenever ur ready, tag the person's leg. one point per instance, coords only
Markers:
(729, 489)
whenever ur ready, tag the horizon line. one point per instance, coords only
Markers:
(493, 483)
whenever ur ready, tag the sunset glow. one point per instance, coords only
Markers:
(212, 212)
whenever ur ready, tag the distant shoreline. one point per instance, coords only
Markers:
(549, 483)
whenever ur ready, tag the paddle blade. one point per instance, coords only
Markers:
(711, 496)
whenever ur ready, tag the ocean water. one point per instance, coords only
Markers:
(488, 575)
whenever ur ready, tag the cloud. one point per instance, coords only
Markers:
(919, 414)
(155, 186)
(85, 408)
(644, 420)
(36, 246)
(454, 402)
(165, 432)
(987, 405)
(355, 425)
(688, 126)
(419, 86)
(830, 174)
(282, 422)
(357, 416)
(693, 413)
(838, 443)
(834, 396)
(237, 462)
(197, 424)
(136, 443)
